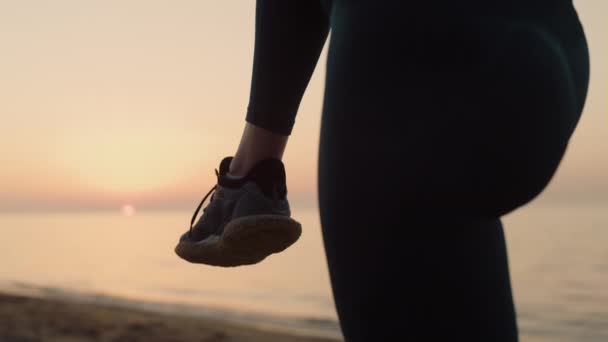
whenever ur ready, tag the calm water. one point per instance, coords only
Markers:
(558, 254)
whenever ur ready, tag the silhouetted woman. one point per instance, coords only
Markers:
(439, 117)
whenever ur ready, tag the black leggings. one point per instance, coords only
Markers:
(437, 120)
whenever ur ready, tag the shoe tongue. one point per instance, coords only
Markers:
(225, 165)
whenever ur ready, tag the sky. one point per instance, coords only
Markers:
(114, 102)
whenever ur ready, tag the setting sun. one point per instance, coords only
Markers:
(128, 210)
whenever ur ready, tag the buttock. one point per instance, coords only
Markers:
(475, 116)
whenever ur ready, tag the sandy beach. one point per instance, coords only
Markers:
(24, 319)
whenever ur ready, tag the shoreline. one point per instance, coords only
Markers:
(308, 326)
(28, 317)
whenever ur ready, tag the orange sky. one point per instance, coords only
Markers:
(136, 101)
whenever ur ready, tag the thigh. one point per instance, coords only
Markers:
(471, 118)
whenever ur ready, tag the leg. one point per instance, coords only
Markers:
(396, 274)
(249, 217)
(256, 144)
(410, 217)
(289, 37)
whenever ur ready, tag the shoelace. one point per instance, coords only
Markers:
(217, 174)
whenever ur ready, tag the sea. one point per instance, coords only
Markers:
(558, 256)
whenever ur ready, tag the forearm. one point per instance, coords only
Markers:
(289, 37)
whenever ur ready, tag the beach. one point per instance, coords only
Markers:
(25, 319)
(557, 258)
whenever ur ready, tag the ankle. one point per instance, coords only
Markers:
(256, 145)
(238, 170)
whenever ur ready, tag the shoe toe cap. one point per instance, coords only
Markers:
(186, 237)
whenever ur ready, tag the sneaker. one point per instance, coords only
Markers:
(246, 220)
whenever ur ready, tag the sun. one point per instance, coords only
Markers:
(128, 210)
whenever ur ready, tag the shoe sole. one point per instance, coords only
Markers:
(246, 241)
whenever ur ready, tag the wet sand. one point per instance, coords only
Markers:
(25, 319)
